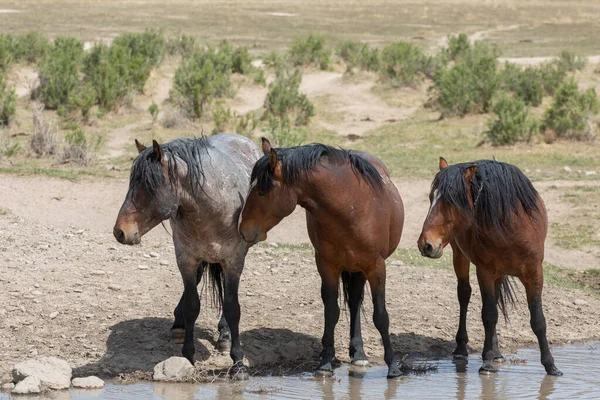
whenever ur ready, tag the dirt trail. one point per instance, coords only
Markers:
(359, 110)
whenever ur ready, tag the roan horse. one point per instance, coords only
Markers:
(493, 217)
(199, 186)
(354, 216)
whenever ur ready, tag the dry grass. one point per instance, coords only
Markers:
(543, 27)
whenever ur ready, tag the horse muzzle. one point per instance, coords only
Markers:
(126, 238)
(431, 251)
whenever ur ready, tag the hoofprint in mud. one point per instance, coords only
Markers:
(107, 309)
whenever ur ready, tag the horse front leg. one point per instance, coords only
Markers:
(463, 291)
(231, 311)
(329, 295)
(178, 328)
(191, 305)
(489, 316)
(381, 319)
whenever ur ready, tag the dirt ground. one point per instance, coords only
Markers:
(68, 289)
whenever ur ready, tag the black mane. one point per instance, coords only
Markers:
(303, 160)
(147, 171)
(498, 190)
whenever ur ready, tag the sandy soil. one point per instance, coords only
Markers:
(114, 303)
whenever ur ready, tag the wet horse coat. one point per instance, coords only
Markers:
(198, 185)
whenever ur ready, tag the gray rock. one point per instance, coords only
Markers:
(143, 267)
(53, 315)
(8, 386)
(154, 254)
(164, 262)
(53, 372)
(172, 369)
(580, 302)
(90, 382)
(29, 385)
(567, 169)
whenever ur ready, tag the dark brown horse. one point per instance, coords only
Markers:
(199, 186)
(492, 216)
(354, 216)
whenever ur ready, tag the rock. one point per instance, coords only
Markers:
(43, 247)
(90, 382)
(36, 293)
(580, 302)
(97, 272)
(275, 245)
(164, 262)
(53, 372)
(172, 369)
(53, 315)
(29, 385)
(143, 267)
(112, 248)
(397, 262)
(154, 254)
(567, 169)
(8, 386)
(114, 287)
(588, 173)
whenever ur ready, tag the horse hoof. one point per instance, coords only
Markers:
(224, 346)
(553, 371)
(239, 372)
(487, 370)
(360, 363)
(178, 335)
(323, 373)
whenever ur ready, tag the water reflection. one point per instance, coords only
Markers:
(458, 379)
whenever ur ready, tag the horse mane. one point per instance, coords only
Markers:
(301, 161)
(498, 190)
(148, 172)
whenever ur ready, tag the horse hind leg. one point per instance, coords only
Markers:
(533, 287)
(489, 317)
(354, 287)
(381, 318)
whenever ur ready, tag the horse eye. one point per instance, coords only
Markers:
(261, 194)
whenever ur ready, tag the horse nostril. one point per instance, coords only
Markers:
(428, 248)
(119, 235)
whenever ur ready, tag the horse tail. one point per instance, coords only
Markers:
(214, 281)
(346, 288)
(506, 295)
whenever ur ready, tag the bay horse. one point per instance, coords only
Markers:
(199, 186)
(492, 216)
(354, 217)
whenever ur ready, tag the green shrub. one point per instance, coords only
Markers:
(402, 63)
(527, 84)
(572, 111)
(79, 147)
(148, 46)
(274, 60)
(153, 110)
(226, 120)
(59, 71)
(31, 47)
(282, 133)
(570, 62)
(8, 101)
(183, 45)
(83, 99)
(469, 85)
(8, 147)
(458, 46)
(108, 71)
(310, 50)
(284, 97)
(552, 76)
(200, 79)
(511, 123)
(359, 55)
(7, 46)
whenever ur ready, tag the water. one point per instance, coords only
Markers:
(580, 365)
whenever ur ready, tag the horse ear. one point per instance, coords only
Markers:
(443, 163)
(266, 145)
(275, 165)
(140, 147)
(158, 151)
(470, 173)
